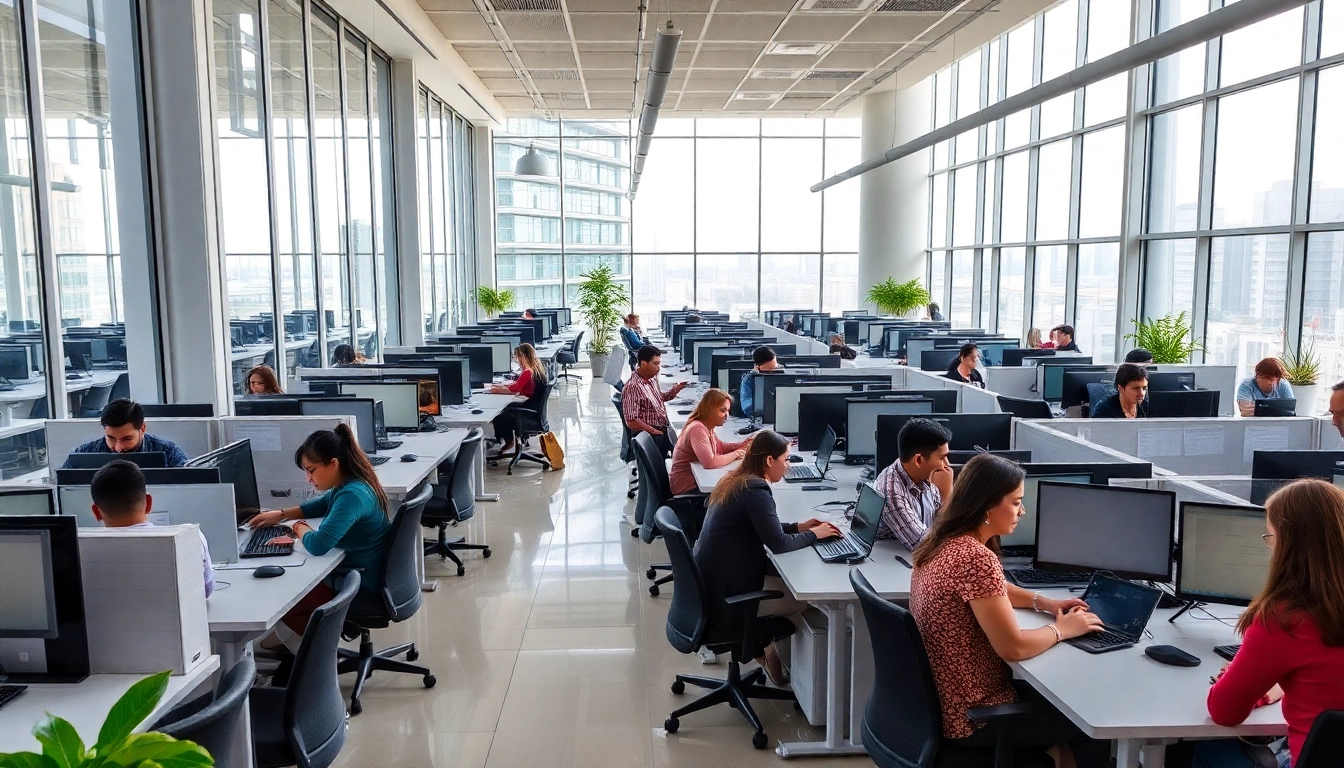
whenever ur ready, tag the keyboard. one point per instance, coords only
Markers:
(258, 545)
(388, 445)
(9, 692)
(1025, 576)
(378, 461)
(1227, 651)
(802, 471)
(836, 548)
(1102, 640)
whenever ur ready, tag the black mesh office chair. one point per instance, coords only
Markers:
(529, 421)
(95, 400)
(903, 722)
(627, 456)
(453, 502)
(656, 489)
(41, 409)
(395, 601)
(212, 720)
(690, 625)
(304, 722)
(1325, 741)
(1097, 392)
(1025, 409)
(569, 356)
(121, 388)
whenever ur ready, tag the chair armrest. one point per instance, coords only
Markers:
(753, 597)
(1002, 711)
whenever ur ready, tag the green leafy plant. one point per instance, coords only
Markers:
(1169, 338)
(1302, 366)
(898, 299)
(117, 746)
(494, 301)
(602, 301)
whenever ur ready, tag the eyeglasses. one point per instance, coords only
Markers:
(1265, 537)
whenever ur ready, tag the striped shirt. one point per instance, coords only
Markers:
(643, 399)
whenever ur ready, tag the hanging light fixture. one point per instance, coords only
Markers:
(532, 163)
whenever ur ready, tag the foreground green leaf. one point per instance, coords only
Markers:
(159, 748)
(132, 709)
(60, 742)
(25, 760)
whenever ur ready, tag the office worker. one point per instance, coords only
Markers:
(124, 432)
(1268, 383)
(789, 325)
(740, 524)
(935, 312)
(1337, 407)
(698, 442)
(1139, 356)
(915, 485)
(1063, 336)
(345, 355)
(1130, 398)
(763, 361)
(631, 334)
(838, 347)
(529, 314)
(1034, 339)
(642, 400)
(531, 371)
(964, 609)
(261, 380)
(964, 369)
(121, 502)
(1293, 631)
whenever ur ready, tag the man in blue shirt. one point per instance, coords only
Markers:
(124, 432)
(764, 359)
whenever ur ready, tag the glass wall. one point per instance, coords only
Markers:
(301, 100)
(447, 215)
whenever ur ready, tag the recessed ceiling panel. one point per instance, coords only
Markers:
(817, 27)
(721, 57)
(745, 27)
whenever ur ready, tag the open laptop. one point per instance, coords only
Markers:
(807, 473)
(1283, 406)
(857, 542)
(1123, 607)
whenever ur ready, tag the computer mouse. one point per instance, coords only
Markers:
(408, 457)
(1170, 654)
(268, 572)
(477, 410)
(795, 458)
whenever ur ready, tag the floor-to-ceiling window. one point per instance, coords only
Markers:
(301, 101)
(447, 178)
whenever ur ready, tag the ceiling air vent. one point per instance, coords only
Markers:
(526, 6)
(777, 74)
(554, 74)
(833, 74)
(756, 96)
(842, 6)
(918, 6)
(799, 49)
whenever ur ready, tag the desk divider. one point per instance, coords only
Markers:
(1049, 445)
(194, 435)
(1012, 381)
(1186, 489)
(1211, 446)
(1327, 437)
(274, 440)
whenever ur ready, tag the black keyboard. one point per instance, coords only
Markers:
(9, 692)
(1023, 576)
(1100, 641)
(378, 460)
(1227, 651)
(258, 545)
(802, 470)
(388, 445)
(836, 548)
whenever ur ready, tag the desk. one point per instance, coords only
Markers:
(85, 705)
(17, 428)
(489, 406)
(399, 477)
(26, 394)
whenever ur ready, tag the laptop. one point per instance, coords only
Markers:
(1283, 406)
(856, 543)
(1123, 607)
(807, 473)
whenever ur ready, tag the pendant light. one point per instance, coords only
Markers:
(532, 163)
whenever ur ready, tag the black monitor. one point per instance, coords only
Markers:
(861, 424)
(1221, 557)
(164, 476)
(42, 625)
(1291, 465)
(79, 352)
(450, 339)
(178, 410)
(1283, 406)
(1201, 403)
(991, 431)
(14, 363)
(454, 374)
(234, 462)
(1052, 375)
(362, 408)
(991, 350)
(481, 362)
(957, 458)
(766, 385)
(1102, 472)
(27, 501)
(820, 361)
(1018, 357)
(266, 405)
(1073, 389)
(830, 409)
(938, 359)
(1170, 381)
(1085, 528)
(142, 459)
(1022, 541)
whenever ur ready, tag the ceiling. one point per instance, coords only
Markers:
(787, 57)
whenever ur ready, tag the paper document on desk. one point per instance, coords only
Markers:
(1263, 439)
(264, 439)
(1160, 442)
(1203, 441)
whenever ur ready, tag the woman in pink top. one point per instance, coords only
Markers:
(697, 442)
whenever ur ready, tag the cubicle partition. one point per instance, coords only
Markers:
(1050, 446)
(1190, 489)
(806, 346)
(194, 435)
(280, 482)
(1011, 381)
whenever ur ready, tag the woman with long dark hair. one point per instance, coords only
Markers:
(698, 443)
(531, 370)
(261, 381)
(740, 524)
(964, 609)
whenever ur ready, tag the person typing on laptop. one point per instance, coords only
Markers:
(120, 501)
(964, 610)
(124, 432)
(915, 485)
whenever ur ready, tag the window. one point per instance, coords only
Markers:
(1054, 177)
(727, 204)
(963, 289)
(1101, 183)
(789, 281)
(1248, 291)
(965, 195)
(938, 232)
(663, 281)
(1048, 288)
(1327, 158)
(938, 278)
(1332, 28)
(1098, 299)
(1181, 74)
(1169, 278)
(840, 282)
(1322, 319)
(790, 212)
(1012, 289)
(1259, 123)
(1174, 170)
(727, 282)
(1014, 217)
(1263, 47)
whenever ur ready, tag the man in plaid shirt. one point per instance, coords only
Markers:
(914, 486)
(642, 399)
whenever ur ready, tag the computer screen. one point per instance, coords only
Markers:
(1127, 531)
(1290, 465)
(1222, 557)
(1052, 376)
(970, 431)
(401, 401)
(938, 359)
(178, 410)
(27, 501)
(786, 403)
(142, 459)
(359, 407)
(861, 422)
(234, 462)
(1202, 403)
(14, 363)
(1024, 535)
(266, 405)
(1170, 381)
(27, 584)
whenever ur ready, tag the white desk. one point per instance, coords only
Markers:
(20, 399)
(399, 477)
(85, 705)
(489, 406)
(1141, 704)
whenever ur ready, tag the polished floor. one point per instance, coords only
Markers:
(551, 652)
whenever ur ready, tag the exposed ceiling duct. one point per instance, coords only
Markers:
(665, 44)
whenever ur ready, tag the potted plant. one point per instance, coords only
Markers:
(1169, 338)
(1303, 369)
(602, 301)
(898, 299)
(117, 743)
(494, 301)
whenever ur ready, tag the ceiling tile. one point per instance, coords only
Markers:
(816, 27)
(747, 27)
(721, 56)
(461, 26)
(447, 5)
(615, 27)
(548, 87)
(515, 102)
(547, 57)
(498, 85)
(791, 102)
(892, 27)
(525, 27)
(626, 6)
(595, 59)
(703, 101)
(714, 80)
(855, 56)
(743, 6)
(483, 57)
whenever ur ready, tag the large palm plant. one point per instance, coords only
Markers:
(602, 301)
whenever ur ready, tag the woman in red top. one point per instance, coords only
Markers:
(1293, 631)
(698, 442)
(531, 371)
(964, 610)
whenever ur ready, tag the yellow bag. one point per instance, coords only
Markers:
(550, 448)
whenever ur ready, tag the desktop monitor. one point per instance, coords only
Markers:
(991, 352)
(401, 401)
(704, 356)
(1222, 557)
(938, 359)
(15, 363)
(1051, 376)
(42, 630)
(770, 390)
(1084, 528)
(481, 361)
(1170, 381)
(1022, 541)
(266, 405)
(970, 431)
(79, 352)
(27, 501)
(957, 458)
(1073, 388)
(234, 462)
(861, 426)
(178, 410)
(1284, 406)
(454, 374)
(1102, 471)
(361, 408)
(788, 413)
(142, 459)
(1201, 403)
(820, 361)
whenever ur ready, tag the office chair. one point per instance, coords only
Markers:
(95, 400)
(1025, 409)
(656, 488)
(903, 721)
(212, 720)
(691, 623)
(628, 455)
(453, 502)
(304, 722)
(1325, 741)
(121, 388)
(1096, 392)
(41, 409)
(395, 601)
(569, 356)
(529, 420)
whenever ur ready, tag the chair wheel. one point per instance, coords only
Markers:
(461, 570)
(356, 707)
(758, 740)
(412, 655)
(485, 553)
(651, 574)
(634, 533)
(429, 681)
(630, 495)
(671, 724)
(653, 590)
(678, 687)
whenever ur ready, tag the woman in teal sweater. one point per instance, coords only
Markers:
(353, 506)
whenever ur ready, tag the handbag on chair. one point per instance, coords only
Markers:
(550, 448)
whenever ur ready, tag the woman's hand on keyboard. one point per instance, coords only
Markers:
(824, 531)
(1077, 622)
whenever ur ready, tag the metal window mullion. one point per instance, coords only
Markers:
(564, 247)
(379, 331)
(760, 196)
(267, 131)
(310, 95)
(344, 107)
(48, 272)
(1208, 153)
(821, 243)
(1028, 286)
(1200, 300)
(1037, 68)
(1130, 300)
(977, 287)
(1079, 59)
(994, 257)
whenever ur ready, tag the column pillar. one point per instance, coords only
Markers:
(405, 145)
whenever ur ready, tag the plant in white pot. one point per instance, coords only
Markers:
(898, 299)
(602, 301)
(1303, 369)
(494, 300)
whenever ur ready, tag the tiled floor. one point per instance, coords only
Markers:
(551, 652)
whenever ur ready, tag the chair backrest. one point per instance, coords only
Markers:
(627, 453)
(1096, 392)
(314, 720)
(574, 345)
(97, 397)
(121, 388)
(461, 482)
(687, 617)
(1024, 409)
(213, 726)
(401, 577)
(653, 482)
(541, 395)
(40, 409)
(903, 722)
(1325, 741)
